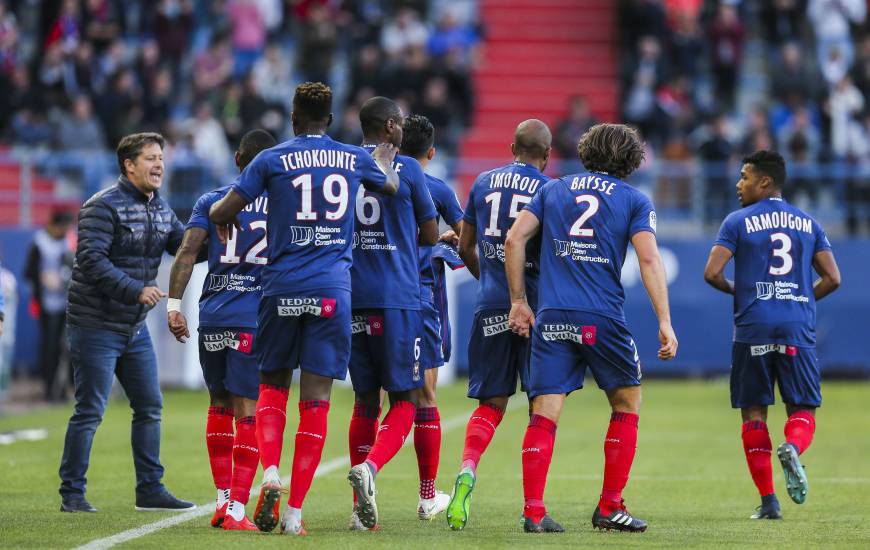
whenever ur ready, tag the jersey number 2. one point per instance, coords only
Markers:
(252, 256)
(782, 253)
(577, 230)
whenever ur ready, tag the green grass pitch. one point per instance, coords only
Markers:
(689, 479)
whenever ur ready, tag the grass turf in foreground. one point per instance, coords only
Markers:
(689, 479)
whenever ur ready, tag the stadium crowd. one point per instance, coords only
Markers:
(80, 75)
(790, 75)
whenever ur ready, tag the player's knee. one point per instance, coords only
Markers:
(280, 377)
(754, 414)
(220, 398)
(625, 399)
(369, 399)
(412, 396)
(791, 408)
(548, 406)
(499, 403)
(426, 397)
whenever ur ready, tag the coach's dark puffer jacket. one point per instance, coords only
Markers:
(122, 236)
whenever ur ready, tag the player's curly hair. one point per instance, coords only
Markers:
(313, 100)
(418, 136)
(612, 148)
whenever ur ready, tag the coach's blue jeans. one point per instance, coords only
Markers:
(98, 356)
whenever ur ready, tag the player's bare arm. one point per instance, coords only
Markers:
(525, 227)
(428, 233)
(223, 213)
(652, 271)
(383, 156)
(179, 276)
(467, 248)
(714, 272)
(829, 274)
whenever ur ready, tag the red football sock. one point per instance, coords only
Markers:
(245, 459)
(427, 444)
(620, 444)
(537, 454)
(310, 438)
(481, 427)
(757, 446)
(271, 418)
(799, 430)
(392, 433)
(362, 432)
(219, 442)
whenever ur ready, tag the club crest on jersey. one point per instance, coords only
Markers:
(579, 334)
(495, 324)
(232, 339)
(773, 348)
(302, 235)
(416, 373)
(763, 290)
(653, 220)
(294, 307)
(217, 282)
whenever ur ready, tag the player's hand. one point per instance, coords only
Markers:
(385, 153)
(178, 326)
(668, 340)
(521, 318)
(223, 231)
(150, 295)
(450, 236)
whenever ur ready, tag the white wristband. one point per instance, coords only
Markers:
(173, 304)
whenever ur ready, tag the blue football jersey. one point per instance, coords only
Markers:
(494, 202)
(773, 244)
(448, 208)
(231, 292)
(312, 182)
(587, 221)
(386, 269)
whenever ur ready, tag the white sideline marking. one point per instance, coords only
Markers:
(206, 509)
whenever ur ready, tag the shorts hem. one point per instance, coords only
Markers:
(553, 391)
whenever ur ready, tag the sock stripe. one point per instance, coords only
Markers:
(362, 410)
(281, 389)
(220, 411)
(246, 420)
(543, 422)
(628, 418)
(754, 425)
(427, 414)
(499, 411)
(313, 404)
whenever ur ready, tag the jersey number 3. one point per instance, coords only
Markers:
(782, 253)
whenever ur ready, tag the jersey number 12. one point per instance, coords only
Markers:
(252, 256)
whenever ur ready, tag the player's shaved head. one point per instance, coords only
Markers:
(376, 112)
(615, 149)
(252, 143)
(532, 138)
(312, 103)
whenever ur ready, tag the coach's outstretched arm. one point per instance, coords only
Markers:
(525, 227)
(829, 274)
(467, 248)
(186, 257)
(714, 272)
(652, 271)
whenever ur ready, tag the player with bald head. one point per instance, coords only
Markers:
(496, 356)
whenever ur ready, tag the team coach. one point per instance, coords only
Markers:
(122, 234)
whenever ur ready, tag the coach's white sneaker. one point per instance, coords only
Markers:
(362, 480)
(291, 522)
(428, 508)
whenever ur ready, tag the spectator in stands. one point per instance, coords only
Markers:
(569, 129)
(113, 287)
(30, 128)
(858, 183)
(716, 153)
(686, 43)
(48, 270)
(158, 100)
(273, 77)
(726, 35)
(801, 180)
(844, 105)
(249, 34)
(212, 67)
(209, 141)
(831, 20)
(172, 27)
(800, 124)
(435, 105)
(641, 79)
(80, 130)
(118, 106)
(348, 130)
(79, 77)
(861, 69)
(459, 87)
(318, 41)
(404, 32)
(101, 22)
(782, 20)
(367, 71)
(641, 18)
(792, 74)
(756, 123)
(451, 35)
(66, 30)
(8, 40)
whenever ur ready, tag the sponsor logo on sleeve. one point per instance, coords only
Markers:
(652, 220)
